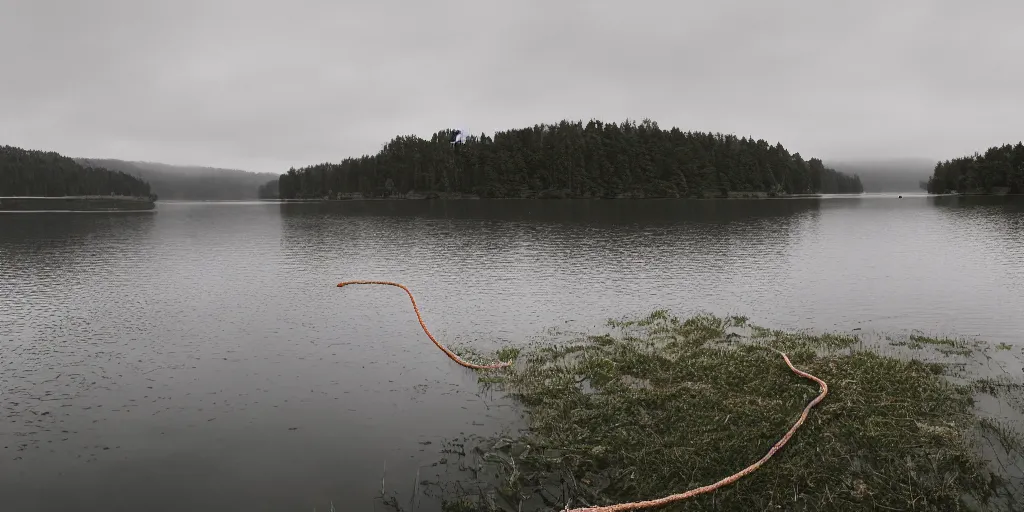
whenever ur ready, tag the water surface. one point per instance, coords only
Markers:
(200, 357)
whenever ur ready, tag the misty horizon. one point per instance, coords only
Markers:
(186, 164)
(263, 87)
(829, 162)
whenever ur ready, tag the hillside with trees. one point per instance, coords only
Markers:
(999, 171)
(572, 159)
(269, 190)
(887, 175)
(26, 172)
(190, 182)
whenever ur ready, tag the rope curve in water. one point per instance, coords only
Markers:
(416, 309)
(649, 503)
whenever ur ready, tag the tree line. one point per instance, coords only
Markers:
(45, 173)
(572, 159)
(999, 170)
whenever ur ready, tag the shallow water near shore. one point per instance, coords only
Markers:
(200, 357)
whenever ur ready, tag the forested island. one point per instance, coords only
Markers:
(571, 160)
(32, 180)
(999, 171)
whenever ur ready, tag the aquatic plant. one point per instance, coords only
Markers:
(662, 405)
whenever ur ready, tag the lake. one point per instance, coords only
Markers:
(200, 357)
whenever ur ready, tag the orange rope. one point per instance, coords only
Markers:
(730, 479)
(415, 308)
(660, 501)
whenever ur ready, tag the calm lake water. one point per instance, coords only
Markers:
(200, 357)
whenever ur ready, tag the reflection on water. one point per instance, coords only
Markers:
(200, 357)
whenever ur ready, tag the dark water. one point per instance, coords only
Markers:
(199, 357)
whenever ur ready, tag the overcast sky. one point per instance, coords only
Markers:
(263, 85)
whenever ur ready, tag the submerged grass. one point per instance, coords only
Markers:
(666, 405)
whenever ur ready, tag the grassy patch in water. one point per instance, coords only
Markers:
(666, 405)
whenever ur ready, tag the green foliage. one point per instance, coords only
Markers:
(572, 159)
(49, 174)
(999, 170)
(667, 405)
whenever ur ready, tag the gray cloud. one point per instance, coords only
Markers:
(266, 85)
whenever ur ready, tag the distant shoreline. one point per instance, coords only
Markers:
(444, 197)
(985, 194)
(732, 196)
(76, 203)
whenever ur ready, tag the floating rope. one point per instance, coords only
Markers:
(650, 503)
(415, 308)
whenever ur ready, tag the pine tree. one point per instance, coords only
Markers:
(572, 159)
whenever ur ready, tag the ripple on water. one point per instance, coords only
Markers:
(206, 345)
